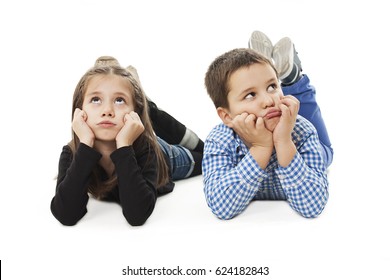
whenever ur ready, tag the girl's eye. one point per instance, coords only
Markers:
(250, 95)
(119, 100)
(95, 100)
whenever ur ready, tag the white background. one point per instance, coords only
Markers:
(45, 48)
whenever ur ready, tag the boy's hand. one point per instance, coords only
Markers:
(256, 137)
(252, 130)
(284, 146)
(131, 130)
(289, 107)
(81, 128)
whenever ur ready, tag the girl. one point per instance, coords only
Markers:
(114, 154)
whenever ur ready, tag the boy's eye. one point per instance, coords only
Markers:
(119, 100)
(95, 100)
(250, 95)
(272, 87)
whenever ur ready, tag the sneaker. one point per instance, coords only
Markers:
(261, 43)
(286, 60)
(134, 73)
(106, 60)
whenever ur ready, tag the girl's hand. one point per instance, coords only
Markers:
(289, 107)
(81, 128)
(131, 130)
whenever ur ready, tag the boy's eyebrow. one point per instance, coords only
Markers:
(245, 91)
(271, 80)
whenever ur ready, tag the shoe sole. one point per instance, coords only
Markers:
(283, 55)
(261, 43)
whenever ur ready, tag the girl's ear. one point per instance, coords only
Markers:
(224, 115)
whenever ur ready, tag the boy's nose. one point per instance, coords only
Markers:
(268, 101)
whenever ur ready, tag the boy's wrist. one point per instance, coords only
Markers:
(285, 152)
(261, 154)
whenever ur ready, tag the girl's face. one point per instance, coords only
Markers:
(254, 90)
(107, 99)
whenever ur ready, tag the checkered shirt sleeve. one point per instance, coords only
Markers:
(232, 179)
(230, 185)
(304, 180)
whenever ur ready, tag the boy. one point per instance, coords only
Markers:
(264, 150)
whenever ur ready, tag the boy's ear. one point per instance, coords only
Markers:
(224, 115)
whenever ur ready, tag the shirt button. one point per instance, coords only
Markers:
(260, 179)
(282, 177)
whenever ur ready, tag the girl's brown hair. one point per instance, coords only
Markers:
(98, 188)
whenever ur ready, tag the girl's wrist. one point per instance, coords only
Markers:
(88, 142)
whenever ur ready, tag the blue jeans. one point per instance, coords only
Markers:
(310, 110)
(182, 162)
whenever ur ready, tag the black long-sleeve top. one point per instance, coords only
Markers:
(136, 190)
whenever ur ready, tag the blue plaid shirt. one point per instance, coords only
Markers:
(232, 177)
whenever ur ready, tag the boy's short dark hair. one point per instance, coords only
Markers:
(219, 72)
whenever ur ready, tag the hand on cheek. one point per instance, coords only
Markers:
(252, 130)
(130, 131)
(81, 128)
(289, 107)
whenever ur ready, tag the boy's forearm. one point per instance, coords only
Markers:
(262, 155)
(285, 152)
(229, 189)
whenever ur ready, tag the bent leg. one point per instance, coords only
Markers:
(183, 162)
(310, 110)
(172, 131)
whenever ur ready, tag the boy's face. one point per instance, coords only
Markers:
(253, 90)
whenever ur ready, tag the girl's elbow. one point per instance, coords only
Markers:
(64, 217)
(137, 218)
(135, 222)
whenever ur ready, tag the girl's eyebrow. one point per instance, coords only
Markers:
(93, 93)
(119, 93)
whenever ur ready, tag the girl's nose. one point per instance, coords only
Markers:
(108, 111)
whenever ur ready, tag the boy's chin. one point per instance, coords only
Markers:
(270, 124)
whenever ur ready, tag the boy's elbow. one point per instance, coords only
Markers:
(313, 213)
(222, 214)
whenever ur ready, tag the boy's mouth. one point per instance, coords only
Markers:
(272, 114)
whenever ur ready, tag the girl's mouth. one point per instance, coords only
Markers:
(106, 124)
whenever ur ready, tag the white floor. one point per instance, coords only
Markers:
(47, 46)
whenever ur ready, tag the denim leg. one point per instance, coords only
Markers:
(310, 110)
(181, 160)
